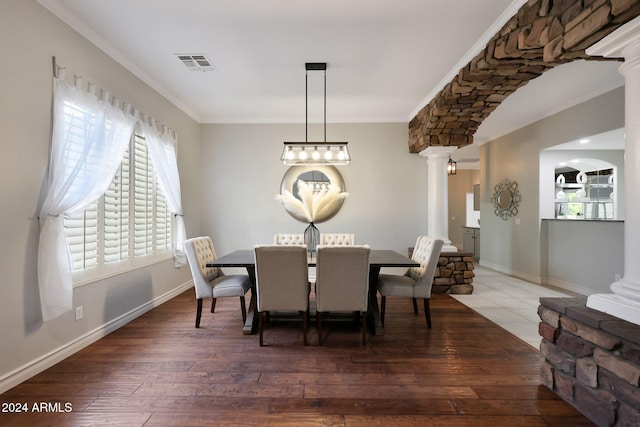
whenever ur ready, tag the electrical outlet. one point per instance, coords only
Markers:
(79, 312)
(617, 277)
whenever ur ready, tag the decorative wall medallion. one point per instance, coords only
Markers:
(506, 199)
(312, 194)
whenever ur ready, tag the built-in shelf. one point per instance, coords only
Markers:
(595, 202)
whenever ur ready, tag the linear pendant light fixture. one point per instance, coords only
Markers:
(315, 153)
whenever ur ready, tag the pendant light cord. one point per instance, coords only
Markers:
(306, 106)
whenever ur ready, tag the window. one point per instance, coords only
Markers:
(129, 226)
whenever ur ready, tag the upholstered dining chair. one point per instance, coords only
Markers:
(288, 239)
(293, 239)
(212, 282)
(337, 239)
(417, 281)
(342, 283)
(282, 283)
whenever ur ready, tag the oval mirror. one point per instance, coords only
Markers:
(505, 199)
(320, 178)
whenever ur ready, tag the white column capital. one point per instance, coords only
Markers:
(438, 151)
(622, 43)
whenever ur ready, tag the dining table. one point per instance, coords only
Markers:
(378, 258)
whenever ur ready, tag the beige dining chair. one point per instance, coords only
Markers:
(212, 282)
(288, 239)
(282, 283)
(293, 239)
(417, 281)
(342, 283)
(337, 239)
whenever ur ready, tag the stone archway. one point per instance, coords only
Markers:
(542, 35)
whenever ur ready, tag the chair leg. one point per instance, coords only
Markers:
(415, 306)
(383, 306)
(198, 312)
(319, 326)
(243, 309)
(305, 320)
(363, 325)
(261, 326)
(427, 313)
(213, 304)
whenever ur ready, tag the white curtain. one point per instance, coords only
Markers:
(162, 150)
(89, 139)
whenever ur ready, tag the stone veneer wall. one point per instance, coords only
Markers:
(592, 360)
(454, 273)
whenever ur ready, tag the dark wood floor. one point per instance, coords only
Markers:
(159, 370)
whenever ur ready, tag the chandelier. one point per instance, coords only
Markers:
(315, 153)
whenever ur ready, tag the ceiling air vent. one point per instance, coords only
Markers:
(196, 62)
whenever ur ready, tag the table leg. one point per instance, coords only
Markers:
(252, 312)
(374, 310)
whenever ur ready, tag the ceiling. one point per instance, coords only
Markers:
(385, 60)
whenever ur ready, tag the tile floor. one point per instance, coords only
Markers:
(510, 302)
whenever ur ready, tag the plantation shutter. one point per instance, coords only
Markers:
(116, 215)
(143, 199)
(82, 237)
(163, 222)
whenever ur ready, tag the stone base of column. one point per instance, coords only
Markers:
(616, 305)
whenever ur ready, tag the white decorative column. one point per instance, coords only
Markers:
(438, 194)
(624, 303)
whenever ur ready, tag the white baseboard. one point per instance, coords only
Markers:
(28, 370)
(560, 284)
(568, 286)
(520, 275)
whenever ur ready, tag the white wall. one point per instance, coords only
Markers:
(516, 248)
(386, 208)
(29, 37)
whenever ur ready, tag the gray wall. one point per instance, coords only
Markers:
(29, 37)
(386, 208)
(516, 248)
(583, 256)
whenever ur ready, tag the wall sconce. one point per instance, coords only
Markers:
(452, 167)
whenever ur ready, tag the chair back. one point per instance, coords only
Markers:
(200, 251)
(337, 239)
(342, 278)
(426, 252)
(288, 239)
(281, 278)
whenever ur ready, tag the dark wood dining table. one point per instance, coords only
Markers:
(244, 258)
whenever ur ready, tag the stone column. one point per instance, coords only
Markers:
(438, 194)
(624, 303)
